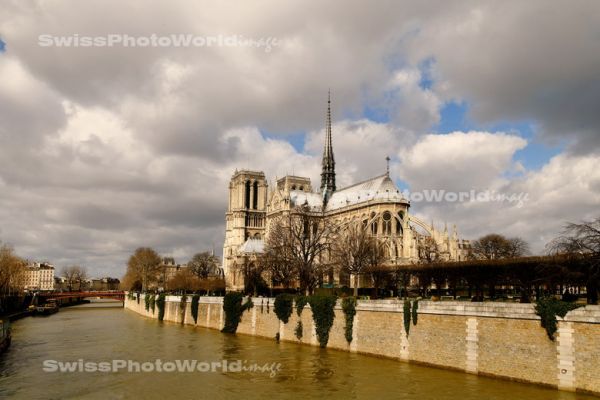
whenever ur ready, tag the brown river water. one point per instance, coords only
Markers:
(96, 334)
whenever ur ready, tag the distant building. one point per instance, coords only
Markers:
(106, 283)
(39, 277)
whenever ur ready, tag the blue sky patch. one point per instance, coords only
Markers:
(2, 46)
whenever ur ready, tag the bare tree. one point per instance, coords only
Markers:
(144, 264)
(495, 246)
(278, 267)
(581, 244)
(70, 273)
(185, 280)
(352, 251)
(428, 250)
(12, 271)
(376, 268)
(301, 239)
(203, 264)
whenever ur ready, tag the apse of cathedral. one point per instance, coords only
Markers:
(377, 203)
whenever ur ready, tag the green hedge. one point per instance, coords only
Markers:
(284, 305)
(233, 308)
(323, 315)
(194, 309)
(349, 308)
(161, 306)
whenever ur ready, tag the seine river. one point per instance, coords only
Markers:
(97, 334)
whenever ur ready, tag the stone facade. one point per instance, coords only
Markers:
(503, 340)
(375, 203)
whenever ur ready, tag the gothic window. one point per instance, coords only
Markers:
(247, 195)
(374, 227)
(399, 230)
(387, 223)
(255, 197)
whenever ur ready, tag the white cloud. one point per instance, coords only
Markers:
(459, 160)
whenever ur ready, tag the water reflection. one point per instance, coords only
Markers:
(97, 333)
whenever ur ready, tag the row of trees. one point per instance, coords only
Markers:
(146, 269)
(301, 247)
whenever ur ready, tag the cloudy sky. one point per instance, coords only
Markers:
(105, 149)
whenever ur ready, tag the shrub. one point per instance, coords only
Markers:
(349, 308)
(406, 314)
(182, 306)
(415, 307)
(153, 303)
(161, 306)
(233, 308)
(548, 308)
(147, 301)
(194, 309)
(284, 305)
(323, 315)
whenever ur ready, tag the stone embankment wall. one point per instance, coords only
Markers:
(494, 339)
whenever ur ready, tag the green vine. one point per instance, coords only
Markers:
(194, 309)
(153, 303)
(284, 306)
(299, 330)
(415, 307)
(301, 302)
(182, 306)
(233, 308)
(349, 308)
(323, 315)
(160, 302)
(406, 315)
(548, 308)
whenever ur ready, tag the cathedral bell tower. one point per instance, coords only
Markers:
(246, 214)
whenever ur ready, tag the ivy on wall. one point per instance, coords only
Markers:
(284, 306)
(160, 302)
(322, 307)
(194, 307)
(153, 303)
(548, 308)
(301, 302)
(349, 308)
(182, 306)
(233, 308)
(406, 315)
(415, 314)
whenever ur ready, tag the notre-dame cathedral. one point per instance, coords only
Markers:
(376, 202)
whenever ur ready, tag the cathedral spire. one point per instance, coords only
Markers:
(328, 166)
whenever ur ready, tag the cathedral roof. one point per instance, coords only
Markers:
(378, 188)
(252, 246)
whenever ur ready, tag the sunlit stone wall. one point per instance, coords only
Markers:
(495, 339)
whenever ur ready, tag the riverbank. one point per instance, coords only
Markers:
(503, 340)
